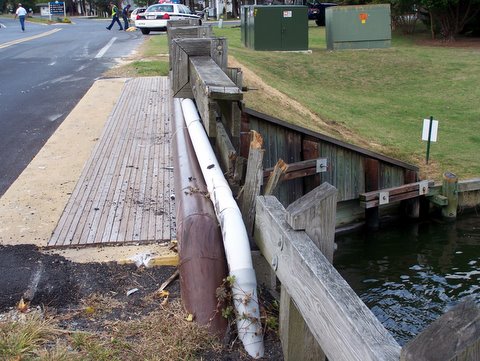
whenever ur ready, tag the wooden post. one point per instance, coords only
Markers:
(315, 214)
(372, 171)
(450, 190)
(253, 182)
(411, 206)
(455, 336)
(310, 150)
(176, 31)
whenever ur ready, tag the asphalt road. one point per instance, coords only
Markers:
(44, 72)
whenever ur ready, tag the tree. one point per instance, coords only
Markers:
(451, 15)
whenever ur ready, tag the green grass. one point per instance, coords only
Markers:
(383, 95)
(151, 68)
(155, 54)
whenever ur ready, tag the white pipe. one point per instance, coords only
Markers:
(235, 238)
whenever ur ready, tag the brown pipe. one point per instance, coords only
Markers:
(202, 264)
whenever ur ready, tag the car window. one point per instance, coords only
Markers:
(161, 8)
(181, 9)
(186, 10)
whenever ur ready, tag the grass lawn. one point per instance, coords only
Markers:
(382, 96)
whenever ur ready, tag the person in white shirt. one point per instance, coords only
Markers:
(21, 13)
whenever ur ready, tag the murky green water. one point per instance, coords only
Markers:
(409, 275)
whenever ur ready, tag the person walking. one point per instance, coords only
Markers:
(114, 17)
(125, 17)
(21, 13)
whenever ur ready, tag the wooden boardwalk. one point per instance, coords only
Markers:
(124, 192)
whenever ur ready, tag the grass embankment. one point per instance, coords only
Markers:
(381, 96)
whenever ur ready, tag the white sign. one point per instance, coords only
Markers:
(287, 14)
(426, 127)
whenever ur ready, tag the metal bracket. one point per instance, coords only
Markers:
(423, 188)
(383, 198)
(321, 165)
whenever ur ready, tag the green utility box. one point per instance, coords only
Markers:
(358, 27)
(274, 27)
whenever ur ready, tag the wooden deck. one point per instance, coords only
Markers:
(124, 192)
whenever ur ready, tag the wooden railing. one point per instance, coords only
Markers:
(320, 315)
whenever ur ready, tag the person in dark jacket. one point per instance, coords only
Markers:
(114, 17)
(125, 11)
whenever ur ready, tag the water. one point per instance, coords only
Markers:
(410, 274)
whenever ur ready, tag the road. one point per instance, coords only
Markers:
(45, 71)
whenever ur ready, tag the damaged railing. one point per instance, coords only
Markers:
(320, 315)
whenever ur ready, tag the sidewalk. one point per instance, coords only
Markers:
(33, 205)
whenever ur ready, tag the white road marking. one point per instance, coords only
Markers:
(105, 48)
(18, 41)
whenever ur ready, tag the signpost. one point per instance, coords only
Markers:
(430, 131)
(57, 8)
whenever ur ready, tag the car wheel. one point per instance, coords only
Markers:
(145, 31)
(320, 22)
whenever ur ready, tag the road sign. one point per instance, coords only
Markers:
(57, 7)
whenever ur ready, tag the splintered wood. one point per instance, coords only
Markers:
(125, 192)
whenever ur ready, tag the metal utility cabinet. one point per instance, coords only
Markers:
(275, 27)
(358, 27)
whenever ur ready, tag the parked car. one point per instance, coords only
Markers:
(316, 11)
(156, 16)
(133, 15)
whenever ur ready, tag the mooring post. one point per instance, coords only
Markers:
(450, 190)
(315, 214)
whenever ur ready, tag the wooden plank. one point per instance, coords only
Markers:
(344, 327)
(182, 22)
(253, 181)
(469, 185)
(225, 150)
(393, 198)
(87, 202)
(168, 223)
(275, 177)
(96, 236)
(213, 81)
(406, 188)
(372, 183)
(455, 336)
(180, 75)
(231, 118)
(236, 75)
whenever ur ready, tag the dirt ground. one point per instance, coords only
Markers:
(65, 290)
